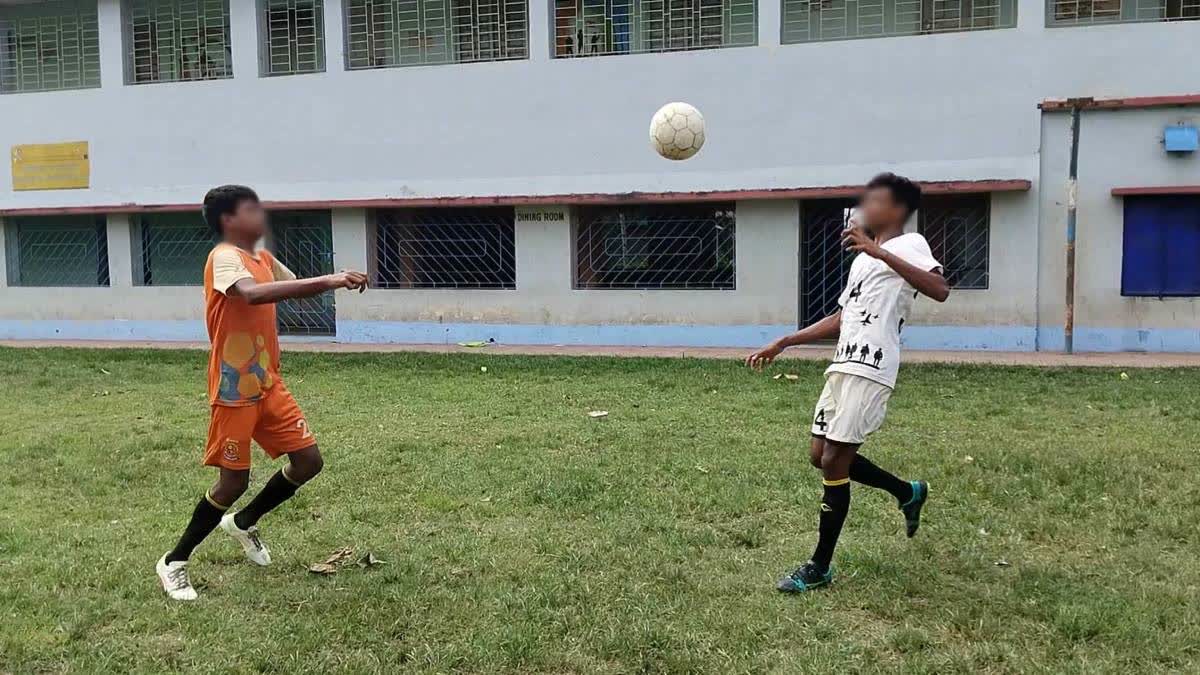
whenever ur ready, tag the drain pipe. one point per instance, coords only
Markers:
(1072, 206)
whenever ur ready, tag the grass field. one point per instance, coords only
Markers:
(522, 536)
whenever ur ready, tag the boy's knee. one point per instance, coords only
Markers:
(305, 465)
(815, 458)
(231, 485)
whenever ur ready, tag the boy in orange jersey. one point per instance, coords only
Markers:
(248, 397)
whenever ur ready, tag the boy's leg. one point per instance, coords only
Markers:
(862, 470)
(282, 430)
(230, 485)
(835, 504)
(303, 465)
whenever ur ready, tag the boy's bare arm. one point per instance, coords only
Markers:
(275, 291)
(825, 329)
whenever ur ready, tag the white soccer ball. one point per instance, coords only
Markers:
(677, 131)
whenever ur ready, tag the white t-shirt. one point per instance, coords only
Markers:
(875, 305)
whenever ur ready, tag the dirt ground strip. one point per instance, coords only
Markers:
(817, 352)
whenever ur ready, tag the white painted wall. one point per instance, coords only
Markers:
(952, 106)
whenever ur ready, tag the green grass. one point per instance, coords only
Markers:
(523, 536)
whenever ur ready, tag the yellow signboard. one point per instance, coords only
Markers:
(51, 166)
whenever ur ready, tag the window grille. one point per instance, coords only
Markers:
(445, 248)
(49, 46)
(602, 27)
(388, 33)
(291, 36)
(820, 20)
(57, 251)
(957, 229)
(177, 40)
(1084, 12)
(173, 248)
(677, 246)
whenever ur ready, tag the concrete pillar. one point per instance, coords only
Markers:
(243, 38)
(335, 37)
(120, 251)
(770, 22)
(349, 239)
(768, 259)
(112, 47)
(541, 27)
(1031, 16)
(543, 251)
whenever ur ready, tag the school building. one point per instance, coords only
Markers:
(488, 163)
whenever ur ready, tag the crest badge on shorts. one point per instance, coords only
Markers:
(230, 450)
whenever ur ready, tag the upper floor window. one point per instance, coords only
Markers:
(1078, 12)
(1161, 246)
(957, 228)
(57, 251)
(387, 33)
(176, 40)
(47, 46)
(291, 36)
(600, 27)
(818, 20)
(669, 246)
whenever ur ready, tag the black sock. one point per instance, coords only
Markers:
(204, 520)
(277, 491)
(862, 470)
(834, 508)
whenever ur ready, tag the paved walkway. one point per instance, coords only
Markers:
(813, 353)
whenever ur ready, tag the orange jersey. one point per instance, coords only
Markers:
(244, 363)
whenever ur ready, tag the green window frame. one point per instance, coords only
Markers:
(170, 249)
(291, 37)
(607, 27)
(392, 33)
(1092, 12)
(49, 46)
(827, 20)
(57, 251)
(176, 40)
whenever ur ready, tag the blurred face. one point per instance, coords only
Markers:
(249, 220)
(880, 211)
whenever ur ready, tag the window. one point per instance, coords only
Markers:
(600, 27)
(387, 33)
(1083, 12)
(57, 251)
(818, 20)
(680, 246)
(176, 40)
(170, 249)
(291, 36)
(445, 248)
(49, 46)
(957, 230)
(1161, 246)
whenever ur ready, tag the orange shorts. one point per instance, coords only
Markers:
(276, 423)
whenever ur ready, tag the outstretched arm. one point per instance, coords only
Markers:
(825, 329)
(275, 291)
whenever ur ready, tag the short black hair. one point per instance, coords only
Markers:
(903, 190)
(224, 200)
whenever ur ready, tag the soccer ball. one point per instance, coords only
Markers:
(677, 131)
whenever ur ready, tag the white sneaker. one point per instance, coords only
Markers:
(252, 546)
(174, 579)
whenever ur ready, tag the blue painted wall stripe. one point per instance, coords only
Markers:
(996, 338)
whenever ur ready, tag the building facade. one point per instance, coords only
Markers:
(487, 162)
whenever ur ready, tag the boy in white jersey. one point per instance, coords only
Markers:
(885, 279)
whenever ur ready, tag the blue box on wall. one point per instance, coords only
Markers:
(1181, 138)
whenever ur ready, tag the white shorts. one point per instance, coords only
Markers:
(850, 408)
